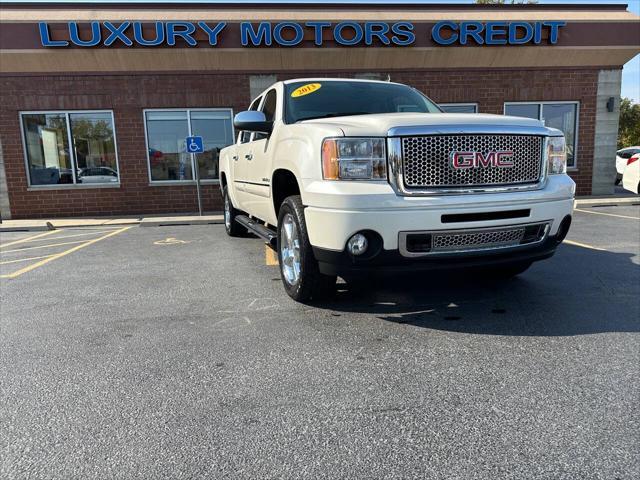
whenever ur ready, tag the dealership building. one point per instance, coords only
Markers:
(98, 98)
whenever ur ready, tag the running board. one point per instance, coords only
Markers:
(260, 230)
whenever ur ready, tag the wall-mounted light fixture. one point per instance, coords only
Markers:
(611, 104)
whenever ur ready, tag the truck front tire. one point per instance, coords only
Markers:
(233, 228)
(299, 271)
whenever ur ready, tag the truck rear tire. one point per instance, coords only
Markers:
(233, 228)
(299, 271)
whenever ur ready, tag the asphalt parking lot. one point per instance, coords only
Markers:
(173, 352)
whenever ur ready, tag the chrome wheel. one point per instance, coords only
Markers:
(290, 250)
(227, 212)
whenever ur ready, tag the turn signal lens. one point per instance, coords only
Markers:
(330, 168)
(557, 155)
(354, 159)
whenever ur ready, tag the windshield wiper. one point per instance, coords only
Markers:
(334, 114)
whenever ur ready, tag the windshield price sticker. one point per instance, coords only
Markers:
(305, 90)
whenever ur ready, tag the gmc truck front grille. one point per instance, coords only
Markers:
(427, 161)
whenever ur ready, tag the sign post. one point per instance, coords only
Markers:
(196, 145)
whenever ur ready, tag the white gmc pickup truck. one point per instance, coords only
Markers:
(344, 177)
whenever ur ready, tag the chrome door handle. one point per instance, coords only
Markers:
(249, 156)
(235, 158)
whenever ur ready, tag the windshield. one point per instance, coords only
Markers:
(318, 99)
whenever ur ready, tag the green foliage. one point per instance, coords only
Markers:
(629, 128)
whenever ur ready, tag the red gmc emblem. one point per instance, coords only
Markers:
(461, 160)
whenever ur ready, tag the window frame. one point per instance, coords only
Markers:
(576, 132)
(203, 181)
(261, 109)
(259, 99)
(475, 105)
(72, 155)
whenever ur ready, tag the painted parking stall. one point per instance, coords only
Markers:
(25, 254)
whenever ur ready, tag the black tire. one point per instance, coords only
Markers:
(310, 283)
(233, 228)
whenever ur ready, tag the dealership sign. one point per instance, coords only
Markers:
(291, 34)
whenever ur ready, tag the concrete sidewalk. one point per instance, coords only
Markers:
(143, 221)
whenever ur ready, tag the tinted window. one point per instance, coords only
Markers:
(269, 110)
(459, 108)
(523, 110)
(338, 98)
(246, 136)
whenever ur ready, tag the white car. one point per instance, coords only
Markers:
(349, 177)
(631, 176)
(97, 175)
(622, 156)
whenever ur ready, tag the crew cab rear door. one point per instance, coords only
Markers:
(259, 162)
(238, 162)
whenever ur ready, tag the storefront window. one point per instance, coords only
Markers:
(90, 160)
(560, 115)
(166, 134)
(459, 107)
(94, 147)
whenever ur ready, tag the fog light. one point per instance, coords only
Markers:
(357, 244)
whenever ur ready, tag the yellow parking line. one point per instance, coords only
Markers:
(62, 254)
(68, 236)
(270, 256)
(30, 238)
(583, 245)
(25, 259)
(608, 214)
(41, 246)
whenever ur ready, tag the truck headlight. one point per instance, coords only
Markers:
(354, 159)
(556, 155)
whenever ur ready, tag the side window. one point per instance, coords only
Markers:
(269, 110)
(246, 136)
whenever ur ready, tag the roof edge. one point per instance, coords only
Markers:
(344, 5)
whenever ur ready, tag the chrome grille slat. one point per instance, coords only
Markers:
(426, 160)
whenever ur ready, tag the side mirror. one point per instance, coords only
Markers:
(252, 121)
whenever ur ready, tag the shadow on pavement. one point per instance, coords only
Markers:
(579, 291)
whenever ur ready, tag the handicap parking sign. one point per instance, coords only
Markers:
(195, 145)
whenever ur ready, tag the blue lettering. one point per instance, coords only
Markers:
(318, 26)
(513, 33)
(378, 30)
(554, 30)
(212, 32)
(403, 34)
(45, 39)
(74, 35)
(496, 33)
(261, 37)
(280, 40)
(183, 30)
(436, 33)
(117, 33)
(473, 30)
(140, 40)
(537, 34)
(357, 37)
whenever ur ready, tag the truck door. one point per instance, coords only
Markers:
(238, 162)
(258, 163)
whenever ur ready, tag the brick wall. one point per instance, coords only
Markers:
(127, 96)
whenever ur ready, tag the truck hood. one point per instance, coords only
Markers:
(380, 124)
